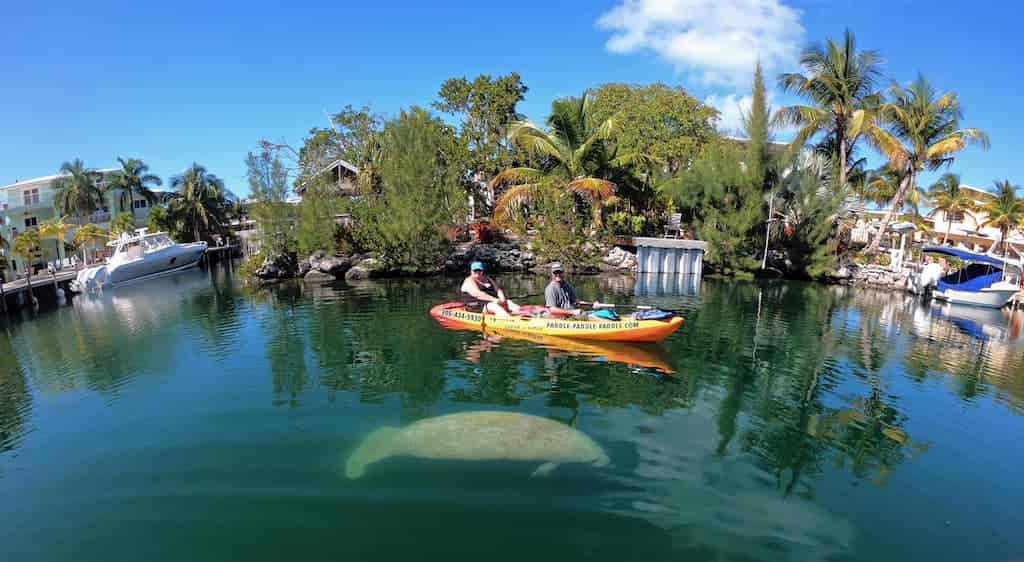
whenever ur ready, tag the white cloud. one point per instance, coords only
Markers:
(719, 41)
(731, 108)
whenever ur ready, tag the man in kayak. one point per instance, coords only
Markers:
(559, 296)
(480, 292)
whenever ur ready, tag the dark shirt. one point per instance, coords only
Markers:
(560, 295)
(474, 304)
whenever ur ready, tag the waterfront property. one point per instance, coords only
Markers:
(26, 204)
(967, 230)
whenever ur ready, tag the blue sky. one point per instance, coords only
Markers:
(177, 82)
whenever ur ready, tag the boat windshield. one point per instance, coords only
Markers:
(972, 277)
(153, 243)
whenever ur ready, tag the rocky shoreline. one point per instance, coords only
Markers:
(508, 256)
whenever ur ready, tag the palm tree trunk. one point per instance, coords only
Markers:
(949, 226)
(842, 161)
(897, 203)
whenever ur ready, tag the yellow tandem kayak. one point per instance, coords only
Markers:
(453, 314)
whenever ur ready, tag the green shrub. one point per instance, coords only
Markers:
(251, 263)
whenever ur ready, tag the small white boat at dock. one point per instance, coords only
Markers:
(984, 280)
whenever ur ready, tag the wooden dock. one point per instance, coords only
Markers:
(12, 294)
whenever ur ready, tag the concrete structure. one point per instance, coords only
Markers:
(28, 203)
(670, 255)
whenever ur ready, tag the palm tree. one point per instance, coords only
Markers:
(76, 190)
(134, 180)
(574, 155)
(85, 236)
(26, 245)
(840, 85)
(199, 202)
(123, 222)
(924, 135)
(947, 197)
(1005, 210)
(57, 228)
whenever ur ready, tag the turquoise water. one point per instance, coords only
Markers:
(192, 419)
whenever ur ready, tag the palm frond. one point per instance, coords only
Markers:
(513, 200)
(511, 176)
(594, 188)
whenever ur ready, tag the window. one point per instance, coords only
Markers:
(139, 204)
(30, 222)
(955, 216)
(31, 196)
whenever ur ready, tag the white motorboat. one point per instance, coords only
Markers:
(137, 257)
(984, 280)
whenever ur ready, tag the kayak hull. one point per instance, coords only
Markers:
(454, 315)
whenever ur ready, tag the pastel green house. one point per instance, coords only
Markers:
(28, 203)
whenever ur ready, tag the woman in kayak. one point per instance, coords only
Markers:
(480, 292)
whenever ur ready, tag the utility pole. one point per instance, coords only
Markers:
(768, 230)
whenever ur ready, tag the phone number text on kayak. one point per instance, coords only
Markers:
(550, 324)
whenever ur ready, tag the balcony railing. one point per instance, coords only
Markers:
(93, 218)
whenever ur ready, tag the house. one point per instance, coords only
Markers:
(967, 230)
(342, 176)
(28, 203)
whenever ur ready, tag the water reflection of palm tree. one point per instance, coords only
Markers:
(15, 398)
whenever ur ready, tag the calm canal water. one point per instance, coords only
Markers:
(192, 419)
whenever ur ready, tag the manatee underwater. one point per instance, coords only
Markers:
(480, 436)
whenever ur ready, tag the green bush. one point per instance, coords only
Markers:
(252, 262)
(420, 193)
(562, 233)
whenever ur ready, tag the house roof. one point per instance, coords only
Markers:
(333, 165)
(975, 189)
(47, 179)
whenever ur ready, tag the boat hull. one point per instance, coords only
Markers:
(988, 298)
(154, 264)
(166, 260)
(626, 330)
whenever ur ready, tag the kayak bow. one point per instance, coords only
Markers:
(455, 315)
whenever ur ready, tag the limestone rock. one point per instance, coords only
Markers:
(617, 258)
(365, 269)
(279, 266)
(317, 276)
(335, 266)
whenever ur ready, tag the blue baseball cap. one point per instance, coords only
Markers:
(476, 266)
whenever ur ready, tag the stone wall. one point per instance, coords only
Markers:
(875, 276)
(508, 256)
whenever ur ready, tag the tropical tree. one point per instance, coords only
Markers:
(133, 180)
(880, 186)
(839, 83)
(86, 236)
(924, 135)
(76, 190)
(199, 203)
(57, 228)
(573, 158)
(946, 196)
(26, 245)
(123, 222)
(1005, 210)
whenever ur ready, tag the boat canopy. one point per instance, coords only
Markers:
(964, 255)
